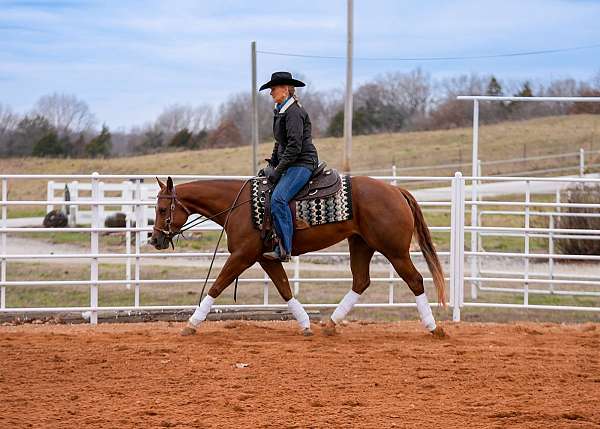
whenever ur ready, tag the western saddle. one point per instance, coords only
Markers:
(322, 183)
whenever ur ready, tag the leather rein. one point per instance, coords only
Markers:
(170, 233)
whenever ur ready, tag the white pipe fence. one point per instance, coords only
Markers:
(487, 282)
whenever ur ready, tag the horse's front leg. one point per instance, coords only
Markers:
(235, 265)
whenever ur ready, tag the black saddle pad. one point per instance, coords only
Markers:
(317, 211)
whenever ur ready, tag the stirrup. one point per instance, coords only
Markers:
(275, 255)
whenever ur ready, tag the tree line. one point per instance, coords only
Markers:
(61, 125)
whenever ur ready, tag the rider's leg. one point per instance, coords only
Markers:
(288, 186)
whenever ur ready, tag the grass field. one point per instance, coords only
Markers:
(542, 136)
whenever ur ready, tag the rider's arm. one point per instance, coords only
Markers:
(274, 161)
(294, 126)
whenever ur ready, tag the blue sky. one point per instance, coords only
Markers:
(128, 59)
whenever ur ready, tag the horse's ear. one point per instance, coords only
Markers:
(169, 184)
(161, 184)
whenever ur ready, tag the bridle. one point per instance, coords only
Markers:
(169, 232)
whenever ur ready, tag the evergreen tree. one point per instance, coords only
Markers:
(28, 132)
(182, 138)
(494, 88)
(99, 145)
(525, 90)
(153, 139)
(50, 145)
(336, 125)
(200, 139)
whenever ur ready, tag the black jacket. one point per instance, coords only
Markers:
(293, 140)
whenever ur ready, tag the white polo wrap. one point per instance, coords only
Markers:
(202, 310)
(299, 313)
(345, 306)
(425, 313)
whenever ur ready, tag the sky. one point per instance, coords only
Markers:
(129, 59)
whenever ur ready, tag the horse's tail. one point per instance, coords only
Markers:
(427, 248)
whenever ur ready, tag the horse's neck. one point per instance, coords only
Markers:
(209, 197)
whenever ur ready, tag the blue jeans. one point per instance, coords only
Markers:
(288, 186)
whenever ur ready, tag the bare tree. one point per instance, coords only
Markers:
(8, 120)
(410, 92)
(238, 109)
(596, 80)
(66, 113)
(321, 107)
(176, 117)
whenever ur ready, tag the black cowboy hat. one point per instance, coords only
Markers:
(281, 78)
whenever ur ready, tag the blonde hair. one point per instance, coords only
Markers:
(292, 92)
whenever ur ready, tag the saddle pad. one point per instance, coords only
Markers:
(318, 211)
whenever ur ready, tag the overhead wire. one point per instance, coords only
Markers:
(449, 58)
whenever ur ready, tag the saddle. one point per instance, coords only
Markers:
(323, 183)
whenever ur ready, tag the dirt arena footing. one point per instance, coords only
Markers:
(249, 374)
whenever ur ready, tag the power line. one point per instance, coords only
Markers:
(456, 58)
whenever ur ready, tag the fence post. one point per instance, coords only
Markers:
(266, 290)
(50, 195)
(551, 252)
(581, 162)
(139, 215)
(457, 245)
(95, 248)
(474, 235)
(3, 243)
(296, 275)
(526, 264)
(74, 209)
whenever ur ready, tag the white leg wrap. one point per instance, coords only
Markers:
(299, 313)
(202, 310)
(425, 313)
(345, 306)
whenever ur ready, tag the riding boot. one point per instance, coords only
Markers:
(277, 255)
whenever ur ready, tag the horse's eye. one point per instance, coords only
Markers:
(162, 210)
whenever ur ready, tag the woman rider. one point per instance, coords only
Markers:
(293, 160)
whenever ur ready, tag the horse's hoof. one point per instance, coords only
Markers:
(187, 331)
(439, 332)
(329, 329)
(307, 332)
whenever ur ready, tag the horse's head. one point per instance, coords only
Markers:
(171, 215)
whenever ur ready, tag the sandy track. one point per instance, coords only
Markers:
(372, 375)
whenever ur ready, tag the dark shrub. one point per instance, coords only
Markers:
(581, 194)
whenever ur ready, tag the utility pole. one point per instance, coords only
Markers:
(348, 101)
(254, 112)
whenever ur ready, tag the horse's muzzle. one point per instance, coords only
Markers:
(159, 242)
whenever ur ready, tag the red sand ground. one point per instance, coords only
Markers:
(371, 375)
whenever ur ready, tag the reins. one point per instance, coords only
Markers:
(188, 225)
(233, 206)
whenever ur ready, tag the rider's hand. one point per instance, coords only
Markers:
(273, 174)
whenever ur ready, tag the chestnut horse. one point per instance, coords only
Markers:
(385, 217)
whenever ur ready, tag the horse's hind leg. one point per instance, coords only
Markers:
(406, 269)
(279, 277)
(360, 258)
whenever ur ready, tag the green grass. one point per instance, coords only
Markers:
(26, 211)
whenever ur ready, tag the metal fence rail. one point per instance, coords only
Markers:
(482, 280)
